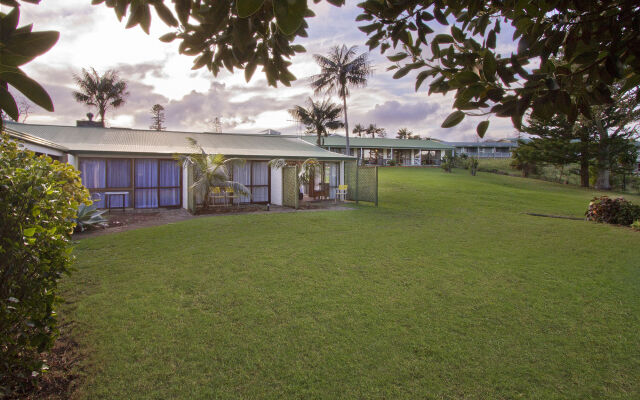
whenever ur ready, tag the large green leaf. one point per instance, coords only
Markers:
(27, 86)
(247, 8)
(289, 14)
(481, 129)
(8, 104)
(453, 119)
(22, 48)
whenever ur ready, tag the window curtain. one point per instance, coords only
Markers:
(169, 176)
(260, 177)
(146, 176)
(242, 174)
(93, 173)
(118, 176)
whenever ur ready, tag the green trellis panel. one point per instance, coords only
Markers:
(290, 186)
(362, 181)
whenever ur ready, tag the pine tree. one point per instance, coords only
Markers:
(157, 118)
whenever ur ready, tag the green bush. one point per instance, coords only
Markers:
(636, 225)
(37, 215)
(447, 163)
(612, 211)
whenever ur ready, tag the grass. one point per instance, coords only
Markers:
(447, 290)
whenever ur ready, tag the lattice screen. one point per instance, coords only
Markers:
(290, 186)
(362, 181)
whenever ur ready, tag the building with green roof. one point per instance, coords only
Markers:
(133, 168)
(381, 151)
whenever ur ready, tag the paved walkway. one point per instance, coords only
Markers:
(142, 219)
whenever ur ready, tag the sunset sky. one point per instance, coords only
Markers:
(91, 36)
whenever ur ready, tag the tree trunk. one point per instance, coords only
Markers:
(346, 124)
(584, 170)
(602, 183)
(602, 162)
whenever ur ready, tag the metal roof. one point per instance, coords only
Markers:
(121, 140)
(340, 141)
(483, 144)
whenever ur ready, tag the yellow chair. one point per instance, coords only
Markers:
(216, 193)
(231, 194)
(341, 192)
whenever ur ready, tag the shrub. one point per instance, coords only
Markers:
(391, 163)
(37, 215)
(472, 165)
(447, 163)
(612, 211)
(89, 217)
(636, 225)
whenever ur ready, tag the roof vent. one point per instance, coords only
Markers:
(270, 132)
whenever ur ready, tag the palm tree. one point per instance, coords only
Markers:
(373, 130)
(308, 167)
(340, 71)
(102, 92)
(404, 133)
(318, 117)
(211, 171)
(359, 130)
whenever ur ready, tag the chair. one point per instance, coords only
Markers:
(231, 194)
(341, 192)
(216, 193)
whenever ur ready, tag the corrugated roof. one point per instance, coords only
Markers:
(340, 141)
(120, 140)
(483, 144)
(33, 139)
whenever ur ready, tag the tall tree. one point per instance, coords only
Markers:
(600, 140)
(103, 92)
(157, 118)
(359, 130)
(318, 117)
(374, 131)
(403, 133)
(340, 71)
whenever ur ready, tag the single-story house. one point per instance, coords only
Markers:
(379, 151)
(136, 167)
(499, 149)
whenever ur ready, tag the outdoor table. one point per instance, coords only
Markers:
(108, 196)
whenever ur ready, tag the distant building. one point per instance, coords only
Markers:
(496, 149)
(386, 151)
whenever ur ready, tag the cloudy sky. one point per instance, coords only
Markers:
(91, 36)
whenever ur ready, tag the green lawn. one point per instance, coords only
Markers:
(447, 290)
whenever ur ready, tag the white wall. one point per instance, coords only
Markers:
(185, 188)
(276, 186)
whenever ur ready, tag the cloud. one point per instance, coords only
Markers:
(394, 112)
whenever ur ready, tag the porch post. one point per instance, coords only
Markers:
(420, 156)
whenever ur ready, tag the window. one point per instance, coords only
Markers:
(255, 176)
(148, 183)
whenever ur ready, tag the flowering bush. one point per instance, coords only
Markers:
(38, 203)
(612, 211)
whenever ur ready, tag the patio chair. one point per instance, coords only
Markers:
(231, 195)
(216, 193)
(341, 192)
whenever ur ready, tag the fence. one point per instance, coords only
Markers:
(290, 186)
(362, 181)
